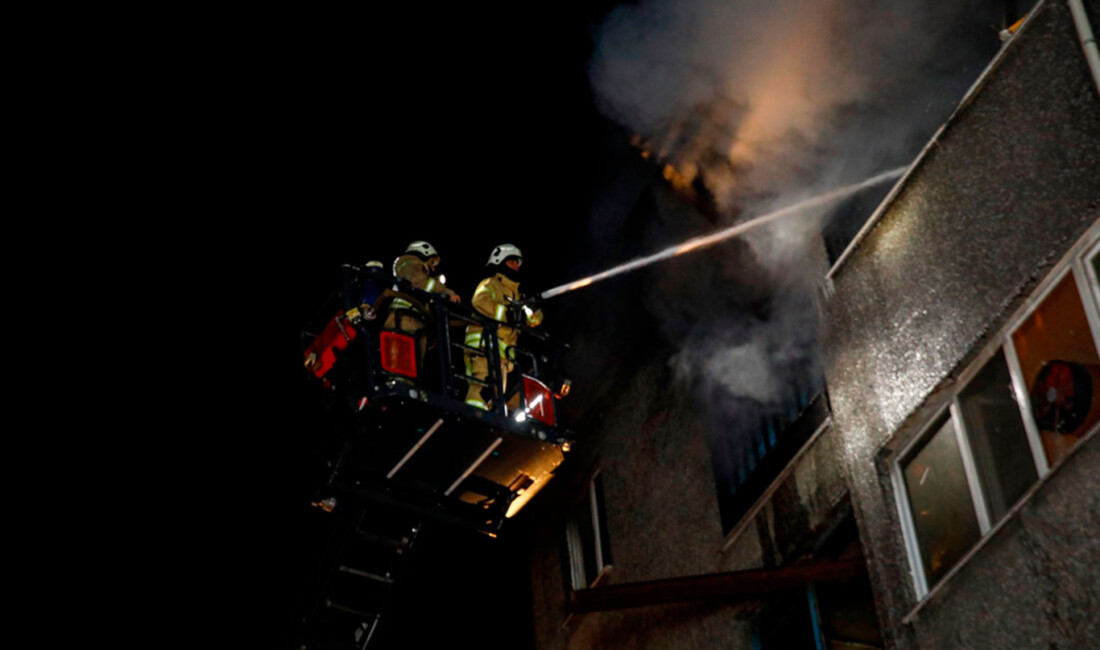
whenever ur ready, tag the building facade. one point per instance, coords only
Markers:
(952, 457)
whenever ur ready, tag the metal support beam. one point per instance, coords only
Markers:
(473, 466)
(733, 585)
(416, 447)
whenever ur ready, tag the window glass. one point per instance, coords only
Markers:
(582, 546)
(787, 624)
(939, 496)
(1094, 268)
(586, 537)
(998, 440)
(846, 608)
(1060, 368)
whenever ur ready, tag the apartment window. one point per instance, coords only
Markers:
(748, 459)
(834, 615)
(1020, 410)
(789, 623)
(997, 436)
(944, 519)
(586, 537)
(1060, 368)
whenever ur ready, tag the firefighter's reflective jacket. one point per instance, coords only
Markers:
(416, 271)
(492, 298)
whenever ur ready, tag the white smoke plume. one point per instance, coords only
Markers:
(759, 97)
(764, 103)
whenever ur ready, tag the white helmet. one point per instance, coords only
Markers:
(422, 248)
(503, 252)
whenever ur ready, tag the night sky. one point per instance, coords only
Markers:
(324, 139)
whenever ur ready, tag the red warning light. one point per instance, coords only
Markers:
(398, 354)
(540, 401)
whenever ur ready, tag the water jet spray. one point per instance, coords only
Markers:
(703, 241)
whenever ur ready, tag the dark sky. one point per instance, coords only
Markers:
(320, 139)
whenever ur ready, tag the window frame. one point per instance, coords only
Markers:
(1078, 263)
(593, 496)
(1083, 265)
(944, 415)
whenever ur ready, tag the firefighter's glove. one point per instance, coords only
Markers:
(533, 316)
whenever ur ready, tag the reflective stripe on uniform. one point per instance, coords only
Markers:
(476, 403)
(400, 304)
(431, 284)
(473, 340)
(500, 313)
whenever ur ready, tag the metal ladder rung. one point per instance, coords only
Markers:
(349, 610)
(366, 574)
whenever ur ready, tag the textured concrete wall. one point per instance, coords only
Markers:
(657, 479)
(663, 522)
(1011, 183)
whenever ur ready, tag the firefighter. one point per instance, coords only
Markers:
(494, 298)
(417, 266)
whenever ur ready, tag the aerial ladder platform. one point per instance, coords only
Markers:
(409, 440)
